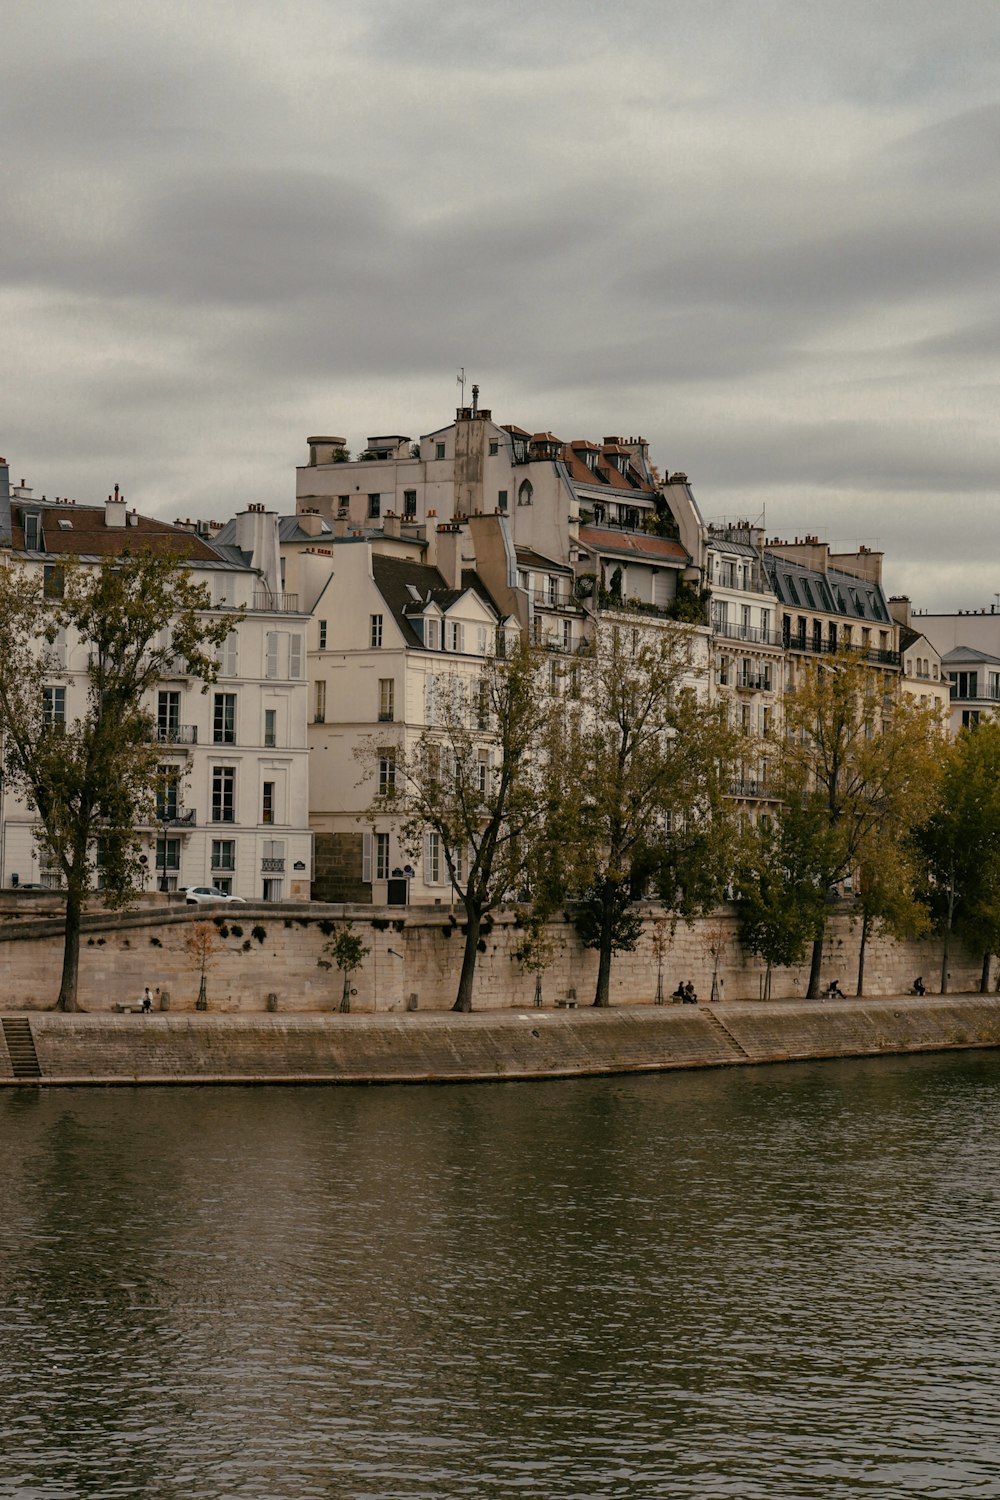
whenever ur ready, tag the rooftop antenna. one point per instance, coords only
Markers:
(460, 377)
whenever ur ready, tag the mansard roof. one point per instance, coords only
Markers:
(82, 531)
(831, 592)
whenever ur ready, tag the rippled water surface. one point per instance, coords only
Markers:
(763, 1282)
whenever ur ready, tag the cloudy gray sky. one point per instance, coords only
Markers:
(763, 233)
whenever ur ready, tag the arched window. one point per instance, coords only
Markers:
(525, 493)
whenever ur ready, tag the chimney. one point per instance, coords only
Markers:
(257, 533)
(5, 524)
(391, 524)
(311, 522)
(115, 510)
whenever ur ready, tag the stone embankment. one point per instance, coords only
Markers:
(50, 1048)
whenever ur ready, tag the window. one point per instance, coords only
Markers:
(386, 771)
(386, 697)
(455, 636)
(223, 854)
(229, 656)
(745, 621)
(168, 854)
(502, 500)
(525, 493)
(54, 707)
(54, 581)
(439, 450)
(320, 714)
(567, 635)
(374, 507)
(723, 671)
(224, 719)
(32, 533)
(765, 623)
(223, 794)
(967, 684)
(409, 505)
(375, 630)
(166, 793)
(322, 635)
(431, 634)
(283, 656)
(494, 448)
(483, 771)
(482, 640)
(432, 859)
(270, 727)
(482, 704)
(168, 716)
(267, 803)
(381, 856)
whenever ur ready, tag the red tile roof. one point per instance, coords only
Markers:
(651, 549)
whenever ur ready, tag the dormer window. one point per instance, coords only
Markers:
(33, 532)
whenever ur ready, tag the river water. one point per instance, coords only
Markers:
(759, 1282)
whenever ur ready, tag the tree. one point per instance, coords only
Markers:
(778, 901)
(467, 792)
(888, 896)
(961, 842)
(91, 779)
(539, 947)
(203, 944)
(859, 759)
(348, 950)
(645, 768)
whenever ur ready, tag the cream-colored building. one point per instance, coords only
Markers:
(233, 809)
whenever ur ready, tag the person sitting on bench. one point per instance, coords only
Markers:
(833, 991)
(918, 986)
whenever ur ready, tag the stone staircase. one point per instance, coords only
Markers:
(723, 1031)
(21, 1048)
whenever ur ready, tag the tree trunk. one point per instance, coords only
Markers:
(861, 955)
(816, 967)
(984, 979)
(602, 996)
(946, 940)
(473, 923)
(71, 952)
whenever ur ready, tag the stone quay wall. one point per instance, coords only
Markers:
(487, 1045)
(278, 950)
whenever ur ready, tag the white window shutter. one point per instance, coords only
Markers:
(428, 864)
(295, 657)
(272, 654)
(366, 857)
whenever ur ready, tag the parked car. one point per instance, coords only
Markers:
(194, 895)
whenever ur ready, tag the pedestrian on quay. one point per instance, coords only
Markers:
(147, 1001)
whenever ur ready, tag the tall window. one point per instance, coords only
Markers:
(375, 630)
(374, 507)
(223, 794)
(386, 699)
(386, 770)
(32, 533)
(409, 505)
(224, 719)
(168, 778)
(525, 493)
(320, 715)
(54, 581)
(501, 500)
(229, 655)
(168, 716)
(267, 803)
(456, 636)
(54, 707)
(168, 855)
(432, 859)
(381, 856)
(322, 635)
(270, 727)
(223, 854)
(438, 451)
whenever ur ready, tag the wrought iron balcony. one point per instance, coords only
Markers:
(174, 734)
(281, 604)
(272, 867)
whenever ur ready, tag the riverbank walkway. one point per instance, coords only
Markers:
(47, 1048)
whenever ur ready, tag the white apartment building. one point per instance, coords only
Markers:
(233, 808)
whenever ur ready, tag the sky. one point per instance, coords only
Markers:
(763, 234)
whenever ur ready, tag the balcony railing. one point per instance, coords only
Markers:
(178, 817)
(750, 787)
(272, 867)
(750, 633)
(829, 648)
(175, 734)
(282, 604)
(560, 600)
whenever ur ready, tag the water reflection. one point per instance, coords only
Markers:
(770, 1282)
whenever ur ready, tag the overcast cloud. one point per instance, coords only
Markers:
(763, 233)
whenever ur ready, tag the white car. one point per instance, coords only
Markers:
(196, 894)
